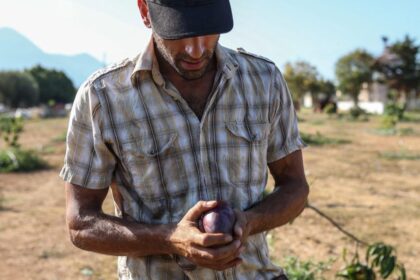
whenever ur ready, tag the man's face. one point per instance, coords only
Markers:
(190, 57)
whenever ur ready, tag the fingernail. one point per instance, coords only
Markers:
(238, 229)
(210, 203)
(228, 238)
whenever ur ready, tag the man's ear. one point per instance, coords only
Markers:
(144, 12)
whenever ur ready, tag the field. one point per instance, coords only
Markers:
(370, 184)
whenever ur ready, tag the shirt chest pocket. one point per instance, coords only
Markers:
(156, 167)
(151, 147)
(246, 152)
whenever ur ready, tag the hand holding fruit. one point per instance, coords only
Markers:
(212, 250)
(219, 219)
(224, 219)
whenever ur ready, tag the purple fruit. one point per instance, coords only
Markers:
(220, 219)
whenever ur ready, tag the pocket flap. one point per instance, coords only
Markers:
(249, 131)
(146, 146)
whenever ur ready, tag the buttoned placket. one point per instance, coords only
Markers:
(205, 157)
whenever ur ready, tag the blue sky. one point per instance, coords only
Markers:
(318, 31)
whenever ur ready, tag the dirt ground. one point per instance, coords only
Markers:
(376, 198)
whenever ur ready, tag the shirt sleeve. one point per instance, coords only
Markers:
(88, 161)
(284, 137)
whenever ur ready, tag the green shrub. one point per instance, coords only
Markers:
(356, 112)
(13, 158)
(393, 113)
(389, 122)
(395, 110)
(406, 131)
(319, 140)
(18, 160)
(401, 155)
(411, 117)
(380, 260)
(10, 129)
(305, 270)
(330, 109)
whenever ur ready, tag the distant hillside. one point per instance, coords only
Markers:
(18, 52)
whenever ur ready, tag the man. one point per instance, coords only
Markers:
(182, 126)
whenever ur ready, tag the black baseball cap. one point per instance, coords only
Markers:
(177, 19)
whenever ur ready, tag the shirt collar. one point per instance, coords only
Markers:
(225, 61)
(147, 62)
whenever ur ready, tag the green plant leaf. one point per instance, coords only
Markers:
(387, 267)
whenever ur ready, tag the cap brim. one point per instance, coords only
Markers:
(190, 21)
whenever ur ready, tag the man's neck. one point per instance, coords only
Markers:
(195, 92)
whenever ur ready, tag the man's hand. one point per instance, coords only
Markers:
(216, 251)
(242, 226)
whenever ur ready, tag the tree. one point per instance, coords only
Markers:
(18, 89)
(301, 77)
(327, 88)
(352, 71)
(399, 66)
(325, 95)
(53, 85)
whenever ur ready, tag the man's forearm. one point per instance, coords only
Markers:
(105, 234)
(284, 204)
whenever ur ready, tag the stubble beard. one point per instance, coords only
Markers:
(174, 60)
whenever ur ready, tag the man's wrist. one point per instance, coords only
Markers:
(157, 239)
(165, 238)
(251, 219)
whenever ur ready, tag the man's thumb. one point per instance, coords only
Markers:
(199, 208)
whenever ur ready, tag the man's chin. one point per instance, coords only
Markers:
(191, 75)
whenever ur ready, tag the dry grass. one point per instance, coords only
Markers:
(375, 197)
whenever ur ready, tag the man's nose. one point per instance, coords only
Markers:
(195, 47)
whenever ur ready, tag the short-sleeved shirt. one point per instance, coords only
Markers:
(131, 129)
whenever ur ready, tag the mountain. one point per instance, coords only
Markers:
(17, 53)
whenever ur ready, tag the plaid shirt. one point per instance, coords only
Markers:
(130, 128)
